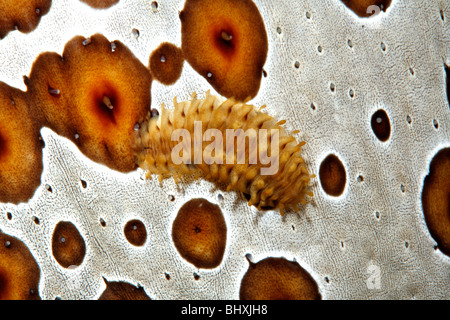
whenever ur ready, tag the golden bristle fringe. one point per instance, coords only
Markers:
(283, 190)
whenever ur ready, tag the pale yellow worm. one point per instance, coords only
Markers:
(166, 145)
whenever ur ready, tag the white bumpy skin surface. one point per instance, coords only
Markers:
(371, 242)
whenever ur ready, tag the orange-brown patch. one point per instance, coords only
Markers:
(94, 95)
(135, 232)
(100, 4)
(226, 42)
(199, 233)
(123, 291)
(436, 199)
(20, 147)
(19, 272)
(278, 279)
(332, 175)
(23, 15)
(68, 245)
(166, 63)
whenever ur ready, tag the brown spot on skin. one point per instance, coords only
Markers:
(123, 291)
(360, 7)
(199, 233)
(47, 76)
(135, 232)
(19, 272)
(380, 125)
(93, 96)
(436, 199)
(166, 63)
(278, 279)
(332, 175)
(68, 246)
(226, 42)
(21, 14)
(100, 4)
(20, 148)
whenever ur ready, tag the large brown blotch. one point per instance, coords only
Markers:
(166, 63)
(226, 42)
(20, 147)
(199, 233)
(123, 291)
(68, 245)
(100, 4)
(21, 14)
(436, 199)
(332, 175)
(278, 279)
(360, 7)
(19, 272)
(94, 95)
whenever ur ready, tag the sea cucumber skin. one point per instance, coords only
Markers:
(281, 190)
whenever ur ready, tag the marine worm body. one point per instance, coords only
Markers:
(228, 142)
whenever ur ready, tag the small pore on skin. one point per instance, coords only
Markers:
(436, 199)
(166, 63)
(68, 246)
(199, 233)
(278, 279)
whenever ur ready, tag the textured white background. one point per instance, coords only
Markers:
(338, 239)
